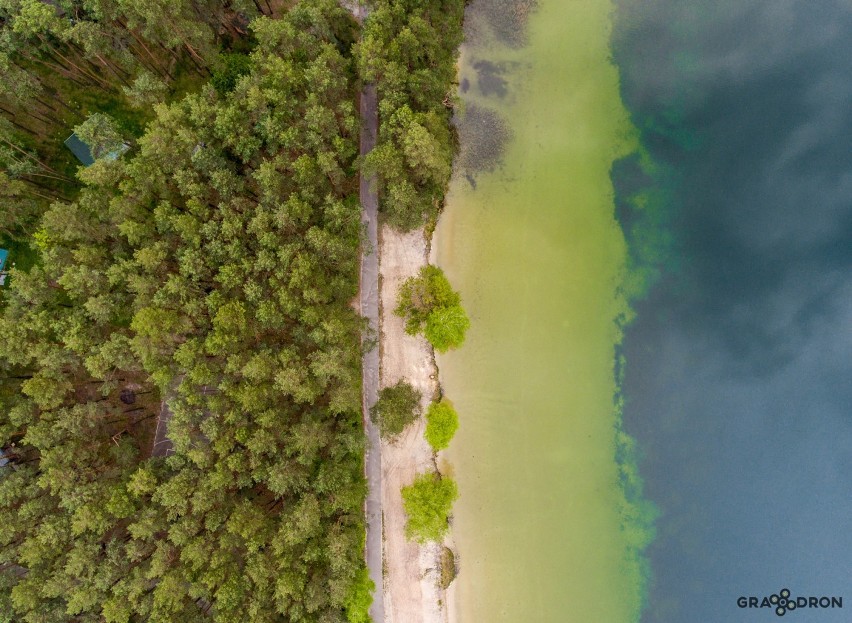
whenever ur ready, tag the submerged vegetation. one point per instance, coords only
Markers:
(536, 250)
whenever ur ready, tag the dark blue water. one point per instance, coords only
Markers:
(738, 378)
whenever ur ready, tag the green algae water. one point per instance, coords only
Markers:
(548, 526)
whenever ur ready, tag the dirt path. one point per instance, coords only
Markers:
(411, 582)
(369, 307)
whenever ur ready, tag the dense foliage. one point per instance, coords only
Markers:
(63, 60)
(397, 407)
(428, 501)
(429, 304)
(408, 50)
(446, 328)
(213, 268)
(200, 284)
(442, 422)
(360, 598)
(228, 70)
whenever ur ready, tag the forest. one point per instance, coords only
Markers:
(409, 50)
(206, 260)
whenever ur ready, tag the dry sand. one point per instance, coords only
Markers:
(411, 590)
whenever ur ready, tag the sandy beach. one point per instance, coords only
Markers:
(411, 571)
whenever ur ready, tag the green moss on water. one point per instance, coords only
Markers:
(551, 522)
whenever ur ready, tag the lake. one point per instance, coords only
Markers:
(692, 157)
(548, 526)
(737, 379)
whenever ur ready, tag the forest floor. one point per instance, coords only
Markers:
(411, 590)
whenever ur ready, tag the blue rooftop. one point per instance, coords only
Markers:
(4, 254)
(79, 149)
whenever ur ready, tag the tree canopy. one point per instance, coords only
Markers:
(409, 50)
(429, 305)
(207, 274)
(397, 407)
(428, 502)
(213, 268)
(442, 422)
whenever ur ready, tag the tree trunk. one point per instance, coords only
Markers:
(193, 56)
(36, 114)
(18, 125)
(258, 7)
(62, 70)
(109, 66)
(49, 198)
(96, 80)
(61, 178)
(155, 62)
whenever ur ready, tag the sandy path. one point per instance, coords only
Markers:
(411, 587)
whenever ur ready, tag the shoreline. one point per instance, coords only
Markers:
(411, 572)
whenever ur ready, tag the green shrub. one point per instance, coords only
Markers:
(428, 501)
(429, 305)
(442, 421)
(446, 328)
(359, 598)
(419, 296)
(397, 407)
